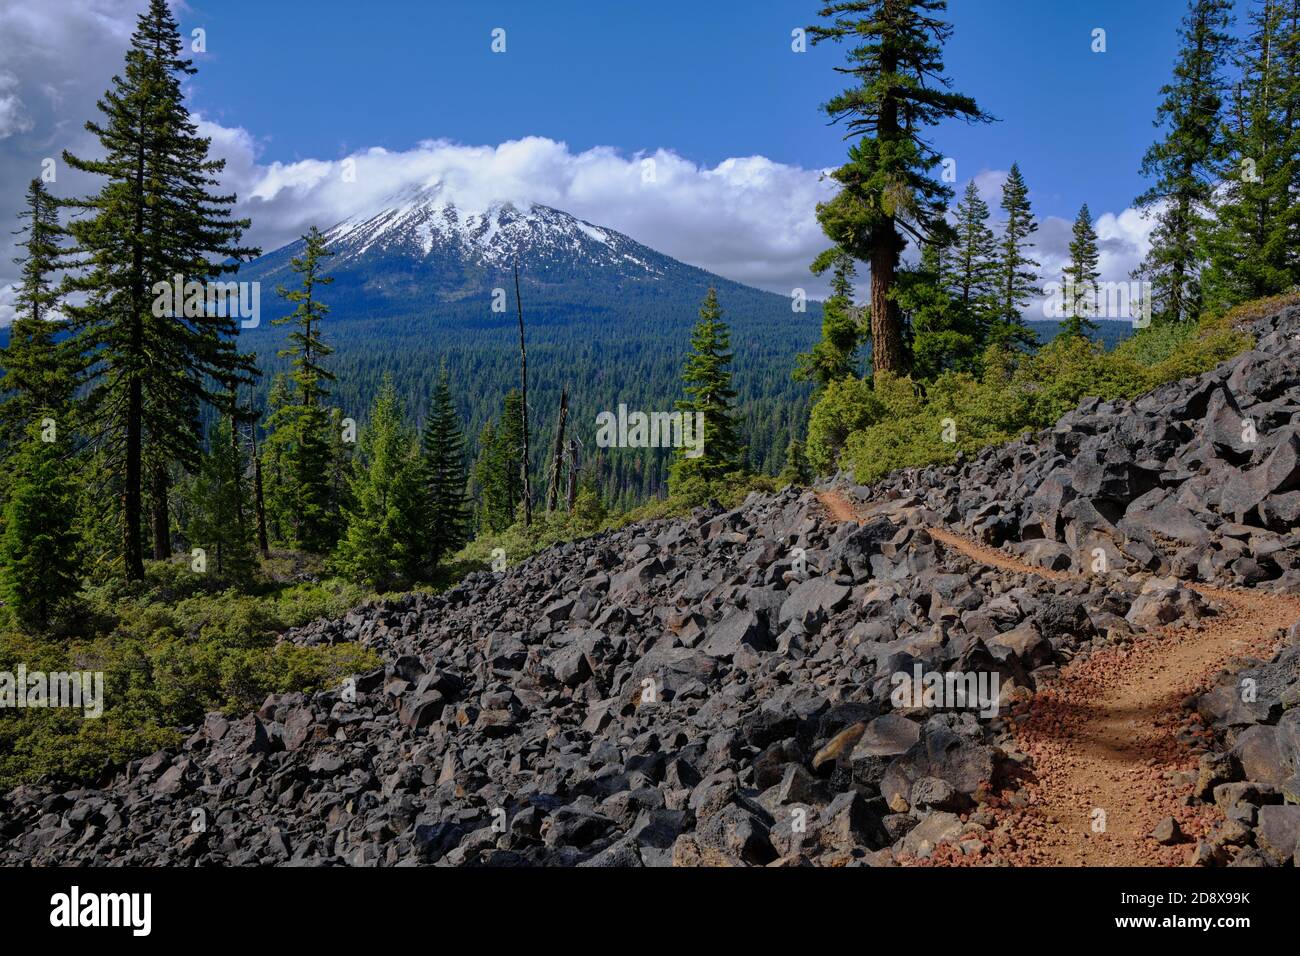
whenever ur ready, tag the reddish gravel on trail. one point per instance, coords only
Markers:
(839, 508)
(1107, 762)
(991, 556)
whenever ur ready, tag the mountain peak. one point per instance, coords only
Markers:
(423, 222)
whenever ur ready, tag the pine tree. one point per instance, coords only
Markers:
(442, 449)
(1016, 279)
(707, 383)
(508, 454)
(888, 191)
(1079, 295)
(797, 470)
(497, 471)
(975, 266)
(258, 489)
(1253, 240)
(382, 544)
(835, 356)
(222, 522)
(277, 484)
(342, 455)
(301, 430)
(39, 375)
(487, 516)
(39, 548)
(1289, 226)
(1183, 162)
(946, 335)
(155, 217)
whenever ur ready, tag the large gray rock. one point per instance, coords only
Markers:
(1278, 832)
(1246, 490)
(1266, 754)
(736, 629)
(812, 602)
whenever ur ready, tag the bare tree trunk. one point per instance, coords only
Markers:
(262, 544)
(573, 473)
(526, 492)
(160, 520)
(887, 353)
(133, 480)
(557, 456)
(887, 350)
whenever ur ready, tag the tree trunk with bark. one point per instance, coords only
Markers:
(557, 454)
(525, 492)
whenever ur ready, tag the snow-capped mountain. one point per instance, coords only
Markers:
(424, 223)
(422, 252)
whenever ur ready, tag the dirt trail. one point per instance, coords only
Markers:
(1108, 762)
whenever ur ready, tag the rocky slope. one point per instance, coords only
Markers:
(1199, 479)
(722, 689)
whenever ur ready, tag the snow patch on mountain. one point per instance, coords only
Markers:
(424, 222)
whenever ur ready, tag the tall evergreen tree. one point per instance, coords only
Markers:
(39, 547)
(946, 335)
(1290, 226)
(222, 521)
(301, 429)
(488, 515)
(342, 456)
(1079, 295)
(39, 375)
(442, 449)
(155, 217)
(277, 486)
(835, 356)
(383, 542)
(888, 190)
(1016, 279)
(975, 260)
(1184, 162)
(497, 471)
(1252, 242)
(707, 382)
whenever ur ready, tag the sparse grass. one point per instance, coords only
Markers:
(589, 518)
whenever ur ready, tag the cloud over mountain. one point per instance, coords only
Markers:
(748, 218)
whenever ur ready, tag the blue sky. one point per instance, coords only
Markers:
(709, 80)
(410, 92)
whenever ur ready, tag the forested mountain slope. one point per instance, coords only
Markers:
(422, 281)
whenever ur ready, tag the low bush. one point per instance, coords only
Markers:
(170, 651)
(874, 428)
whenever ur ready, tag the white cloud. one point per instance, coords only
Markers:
(7, 296)
(13, 114)
(57, 60)
(989, 183)
(748, 218)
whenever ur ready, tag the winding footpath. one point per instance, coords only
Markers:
(1110, 740)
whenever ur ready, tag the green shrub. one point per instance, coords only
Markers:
(846, 406)
(169, 653)
(896, 424)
